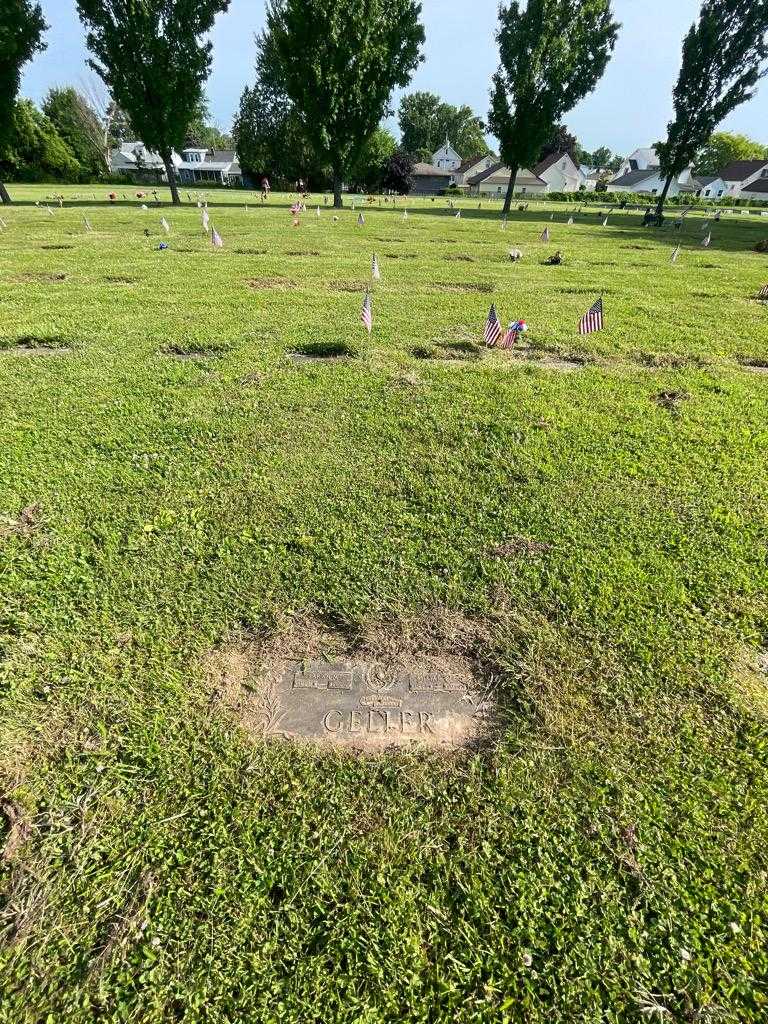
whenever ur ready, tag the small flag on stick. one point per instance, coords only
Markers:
(318, 212)
(216, 239)
(544, 236)
(206, 220)
(707, 241)
(87, 224)
(605, 223)
(375, 272)
(366, 315)
(570, 221)
(593, 319)
(405, 215)
(675, 254)
(360, 220)
(763, 293)
(492, 328)
(165, 225)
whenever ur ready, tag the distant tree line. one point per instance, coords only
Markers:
(324, 77)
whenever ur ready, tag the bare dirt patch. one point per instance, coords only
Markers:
(481, 287)
(27, 524)
(396, 684)
(270, 283)
(194, 351)
(448, 350)
(57, 248)
(516, 547)
(346, 286)
(16, 830)
(669, 360)
(41, 277)
(671, 400)
(561, 362)
(33, 345)
(322, 351)
(753, 364)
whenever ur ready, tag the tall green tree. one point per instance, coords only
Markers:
(723, 60)
(426, 122)
(369, 169)
(269, 134)
(36, 151)
(559, 140)
(78, 125)
(154, 58)
(725, 147)
(552, 53)
(21, 33)
(339, 62)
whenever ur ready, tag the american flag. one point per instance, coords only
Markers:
(492, 328)
(360, 220)
(206, 220)
(375, 272)
(570, 221)
(605, 223)
(3, 225)
(763, 293)
(366, 315)
(510, 336)
(592, 319)
(458, 215)
(405, 215)
(87, 224)
(544, 237)
(675, 254)
(216, 239)
(707, 241)
(165, 225)
(318, 212)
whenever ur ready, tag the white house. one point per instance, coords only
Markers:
(560, 173)
(494, 182)
(641, 160)
(757, 190)
(469, 168)
(648, 182)
(446, 158)
(740, 174)
(194, 165)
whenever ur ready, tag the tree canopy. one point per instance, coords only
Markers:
(426, 122)
(78, 125)
(21, 36)
(723, 55)
(339, 63)
(154, 58)
(552, 53)
(725, 147)
(36, 151)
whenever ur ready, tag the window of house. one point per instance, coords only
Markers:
(719, 193)
(654, 191)
(707, 192)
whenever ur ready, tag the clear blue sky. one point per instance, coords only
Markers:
(630, 107)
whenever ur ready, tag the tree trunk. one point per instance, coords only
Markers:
(337, 182)
(662, 199)
(510, 189)
(170, 171)
(4, 197)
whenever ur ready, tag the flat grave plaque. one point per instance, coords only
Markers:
(364, 704)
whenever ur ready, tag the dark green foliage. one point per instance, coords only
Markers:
(724, 147)
(154, 59)
(552, 53)
(398, 175)
(560, 140)
(79, 126)
(339, 63)
(268, 131)
(36, 152)
(21, 29)
(723, 60)
(368, 172)
(426, 122)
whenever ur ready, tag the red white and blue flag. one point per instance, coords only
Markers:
(366, 315)
(216, 239)
(375, 272)
(593, 319)
(492, 328)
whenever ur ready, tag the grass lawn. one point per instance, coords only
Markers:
(174, 482)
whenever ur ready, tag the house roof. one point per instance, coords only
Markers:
(550, 161)
(647, 154)
(499, 171)
(707, 179)
(427, 170)
(740, 170)
(635, 177)
(761, 186)
(467, 165)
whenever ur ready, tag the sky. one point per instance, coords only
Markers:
(630, 107)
